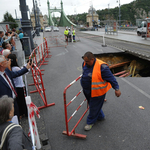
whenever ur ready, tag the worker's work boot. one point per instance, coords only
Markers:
(88, 127)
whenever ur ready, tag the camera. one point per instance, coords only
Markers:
(14, 34)
(30, 60)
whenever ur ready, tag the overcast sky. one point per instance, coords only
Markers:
(70, 6)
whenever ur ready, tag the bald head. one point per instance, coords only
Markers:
(89, 59)
(89, 55)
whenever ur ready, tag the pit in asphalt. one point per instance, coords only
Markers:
(126, 65)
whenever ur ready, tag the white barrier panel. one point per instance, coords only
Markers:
(32, 123)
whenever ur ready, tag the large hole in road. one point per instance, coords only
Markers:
(126, 65)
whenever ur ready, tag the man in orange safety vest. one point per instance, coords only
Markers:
(96, 80)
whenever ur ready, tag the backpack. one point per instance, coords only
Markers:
(6, 131)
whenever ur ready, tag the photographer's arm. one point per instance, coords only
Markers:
(22, 71)
(9, 38)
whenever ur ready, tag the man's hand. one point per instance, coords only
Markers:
(9, 64)
(117, 93)
(12, 34)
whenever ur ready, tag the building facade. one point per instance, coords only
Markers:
(92, 17)
(38, 13)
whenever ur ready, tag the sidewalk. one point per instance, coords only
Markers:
(36, 99)
(38, 39)
(122, 36)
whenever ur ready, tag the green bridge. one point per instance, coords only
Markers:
(64, 21)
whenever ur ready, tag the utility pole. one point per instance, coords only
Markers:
(30, 18)
(36, 26)
(16, 13)
(108, 12)
(26, 26)
(119, 14)
(48, 12)
(92, 15)
(38, 19)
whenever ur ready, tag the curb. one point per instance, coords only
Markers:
(125, 40)
(117, 39)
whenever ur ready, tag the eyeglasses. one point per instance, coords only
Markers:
(4, 61)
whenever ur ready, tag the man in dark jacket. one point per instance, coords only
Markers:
(96, 80)
(7, 86)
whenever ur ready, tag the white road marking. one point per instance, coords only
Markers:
(63, 53)
(135, 87)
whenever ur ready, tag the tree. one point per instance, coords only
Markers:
(8, 18)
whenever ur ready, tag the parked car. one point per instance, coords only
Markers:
(56, 29)
(48, 29)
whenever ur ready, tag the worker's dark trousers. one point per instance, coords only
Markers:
(74, 37)
(95, 111)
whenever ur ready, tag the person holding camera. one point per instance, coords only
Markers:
(12, 41)
(7, 86)
(19, 84)
(2, 39)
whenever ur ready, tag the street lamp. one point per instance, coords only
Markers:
(108, 11)
(92, 16)
(36, 24)
(119, 14)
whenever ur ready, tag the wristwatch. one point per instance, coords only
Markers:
(116, 89)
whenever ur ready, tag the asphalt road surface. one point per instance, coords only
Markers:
(126, 126)
(138, 49)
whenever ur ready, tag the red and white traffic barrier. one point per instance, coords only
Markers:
(38, 82)
(40, 53)
(72, 132)
(32, 123)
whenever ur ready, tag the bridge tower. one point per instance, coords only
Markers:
(50, 21)
(64, 20)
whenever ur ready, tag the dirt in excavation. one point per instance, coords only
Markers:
(127, 65)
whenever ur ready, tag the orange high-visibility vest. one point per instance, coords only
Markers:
(98, 86)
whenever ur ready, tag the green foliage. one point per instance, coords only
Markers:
(79, 18)
(129, 12)
(8, 18)
(82, 17)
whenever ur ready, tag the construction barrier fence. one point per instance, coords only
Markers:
(38, 82)
(72, 132)
(39, 55)
(32, 123)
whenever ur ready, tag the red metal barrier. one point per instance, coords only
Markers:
(38, 82)
(39, 54)
(72, 133)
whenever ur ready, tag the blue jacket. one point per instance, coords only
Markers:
(4, 87)
(106, 75)
(21, 35)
